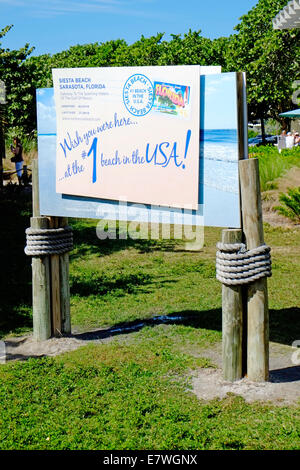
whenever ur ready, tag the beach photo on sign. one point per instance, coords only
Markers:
(219, 151)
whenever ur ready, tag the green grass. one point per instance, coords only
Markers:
(113, 282)
(273, 164)
(137, 280)
(133, 396)
(117, 281)
(134, 391)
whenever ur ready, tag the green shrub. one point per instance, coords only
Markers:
(291, 204)
(252, 133)
(272, 164)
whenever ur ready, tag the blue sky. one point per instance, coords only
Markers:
(220, 101)
(55, 25)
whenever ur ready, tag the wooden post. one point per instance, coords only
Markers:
(41, 305)
(232, 320)
(257, 298)
(35, 189)
(64, 286)
(242, 114)
(51, 299)
(55, 287)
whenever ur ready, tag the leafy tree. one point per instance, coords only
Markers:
(270, 58)
(146, 51)
(87, 55)
(20, 108)
(192, 49)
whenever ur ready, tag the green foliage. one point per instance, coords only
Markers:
(20, 108)
(192, 49)
(28, 140)
(87, 55)
(146, 51)
(290, 204)
(252, 133)
(273, 164)
(270, 58)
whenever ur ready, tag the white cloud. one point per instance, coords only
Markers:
(210, 90)
(216, 85)
(46, 117)
(61, 7)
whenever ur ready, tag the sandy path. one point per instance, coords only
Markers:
(282, 389)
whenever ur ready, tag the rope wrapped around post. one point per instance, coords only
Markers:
(44, 242)
(237, 266)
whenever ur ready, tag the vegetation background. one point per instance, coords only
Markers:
(270, 58)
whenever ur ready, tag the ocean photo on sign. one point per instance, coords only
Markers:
(219, 150)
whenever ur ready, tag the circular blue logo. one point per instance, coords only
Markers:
(138, 94)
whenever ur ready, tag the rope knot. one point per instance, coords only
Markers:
(235, 265)
(49, 241)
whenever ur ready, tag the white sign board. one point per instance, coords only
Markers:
(129, 134)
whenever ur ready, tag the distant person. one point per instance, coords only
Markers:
(297, 138)
(289, 140)
(17, 150)
(282, 141)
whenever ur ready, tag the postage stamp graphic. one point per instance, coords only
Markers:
(138, 94)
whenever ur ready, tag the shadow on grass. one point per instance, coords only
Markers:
(86, 242)
(284, 324)
(15, 267)
(202, 320)
(209, 319)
